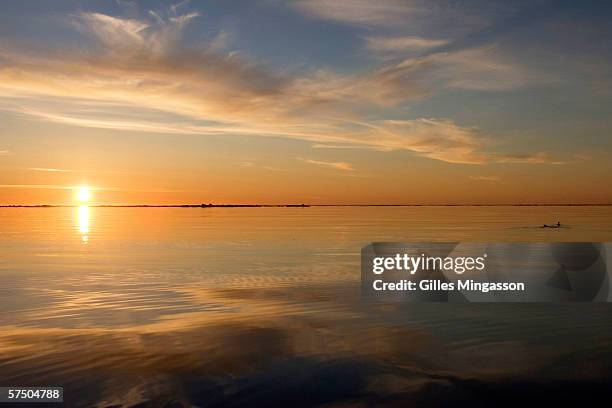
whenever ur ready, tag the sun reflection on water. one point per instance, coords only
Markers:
(83, 221)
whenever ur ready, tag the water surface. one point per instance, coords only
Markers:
(261, 307)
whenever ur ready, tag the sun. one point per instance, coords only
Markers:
(83, 194)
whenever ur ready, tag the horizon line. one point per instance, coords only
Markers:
(302, 205)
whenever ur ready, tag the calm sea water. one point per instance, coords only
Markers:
(261, 307)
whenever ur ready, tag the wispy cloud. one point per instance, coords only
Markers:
(121, 35)
(94, 188)
(271, 168)
(485, 178)
(362, 12)
(58, 170)
(112, 31)
(38, 186)
(344, 166)
(535, 158)
(339, 146)
(414, 78)
(4, 152)
(137, 77)
(402, 44)
(50, 170)
(252, 164)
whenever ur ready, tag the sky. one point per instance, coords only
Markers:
(306, 101)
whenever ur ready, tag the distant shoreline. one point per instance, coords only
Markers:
(289, 205)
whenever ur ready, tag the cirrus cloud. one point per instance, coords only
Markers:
(137, 77)
(381, 12)
(402, 44)
(344, 166)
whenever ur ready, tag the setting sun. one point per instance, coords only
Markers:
(83, 194)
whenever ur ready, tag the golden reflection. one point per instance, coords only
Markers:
(83, 221)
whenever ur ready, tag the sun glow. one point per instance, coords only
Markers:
(83, 194)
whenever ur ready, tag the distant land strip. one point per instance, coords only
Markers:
(291, 205)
